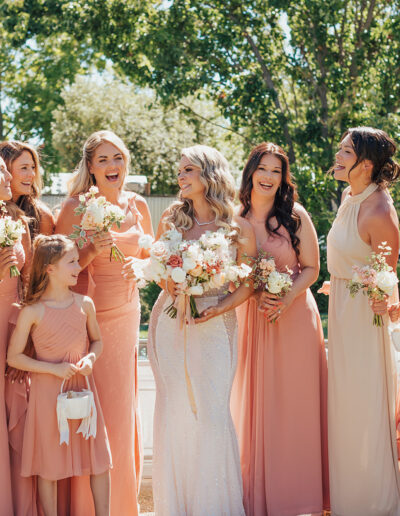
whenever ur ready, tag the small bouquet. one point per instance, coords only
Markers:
(197, 265)
(264, 274)
(376, 280)
(10, 232)
(99, 216)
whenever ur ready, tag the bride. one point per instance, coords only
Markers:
(196, 468)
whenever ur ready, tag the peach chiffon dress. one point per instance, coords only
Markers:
(118, 314)
(279, 402)
(8, 296)
(61, 336)
(363, 462)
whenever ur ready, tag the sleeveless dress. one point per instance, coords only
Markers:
(8, 296)
(118, 314)
(196, 468)
(279, 402)
(60, 336)
(364, 474)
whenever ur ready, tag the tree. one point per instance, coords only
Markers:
(154, 135)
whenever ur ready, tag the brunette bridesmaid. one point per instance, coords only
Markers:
(363, 459)
(105, 163)
(279, 394)
(22, 160)
(8, 296)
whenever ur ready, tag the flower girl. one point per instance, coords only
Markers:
(56, 445)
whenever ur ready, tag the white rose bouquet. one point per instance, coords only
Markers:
(196, 265)
(98, 215)
(265, 275)
(376, 280)
(10, 232)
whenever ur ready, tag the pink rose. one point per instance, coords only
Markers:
(175, 261)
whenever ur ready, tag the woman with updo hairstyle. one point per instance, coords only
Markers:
(105, 163)
(22, 161)
(196, 467)
(279, 393)
(363, 460)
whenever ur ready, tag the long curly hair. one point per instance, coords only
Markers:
(378, 147)
(47, 250)
(285, 197)
(219, 190)
(10, 151)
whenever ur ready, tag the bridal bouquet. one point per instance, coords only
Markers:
(265, 274)
(10, 232)
(197, 265)
(99, 216)
(376, 280)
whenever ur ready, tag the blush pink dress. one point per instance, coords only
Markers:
(279, 402)
(118, 313)
(61, 336)
(8, 296)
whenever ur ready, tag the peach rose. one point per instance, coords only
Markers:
(175, 261)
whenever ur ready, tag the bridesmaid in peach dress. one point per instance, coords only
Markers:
(23, 162)
(363, 459)
(279, 394)
(105, 163)
(8, 296)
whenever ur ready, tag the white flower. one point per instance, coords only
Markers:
(145, 241)
(244, 270)
(82, 198)
(386, 280)
(2, 231)
(93, 217)
(196, 290)
(93, 190)
(178, 275)
(274, 282)
(188, 264)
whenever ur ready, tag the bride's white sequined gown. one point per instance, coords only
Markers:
(196, 467)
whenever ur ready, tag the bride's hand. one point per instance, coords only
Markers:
(208, 313)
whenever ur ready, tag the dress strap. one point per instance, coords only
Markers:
(359, 198)
(133, 208)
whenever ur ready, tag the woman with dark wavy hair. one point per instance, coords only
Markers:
(363, 460)
(279, 394)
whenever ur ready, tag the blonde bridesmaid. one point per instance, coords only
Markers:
(279, 394)
(364, 473)
(8, 296)
(105, 163)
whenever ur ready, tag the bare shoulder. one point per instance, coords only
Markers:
(380, 205)
(86, 303)
(69, 204)
(47, 221)
(245, 227)
(300, 211)
(31, 314)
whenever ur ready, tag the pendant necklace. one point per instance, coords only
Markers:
(204, 223)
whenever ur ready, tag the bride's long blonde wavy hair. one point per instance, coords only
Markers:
(47, 250)
(219, 190)
(82, 179)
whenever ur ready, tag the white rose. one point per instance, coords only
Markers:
(93, 190)
(244, 270)
(188, 264)
(386, 280)
(93, 216)
(196, 290)
(178, 275)
(145, 241)
(193, 251)
(274, 283)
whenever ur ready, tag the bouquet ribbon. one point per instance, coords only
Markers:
(184, 319)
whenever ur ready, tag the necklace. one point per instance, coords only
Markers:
(204, 223)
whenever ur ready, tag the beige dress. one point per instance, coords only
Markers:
(363, 467)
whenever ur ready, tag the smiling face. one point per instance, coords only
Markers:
(189, 179)
(267, 177)
(5, 182)
(66, 271)
(23, 171)
(108, 167)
